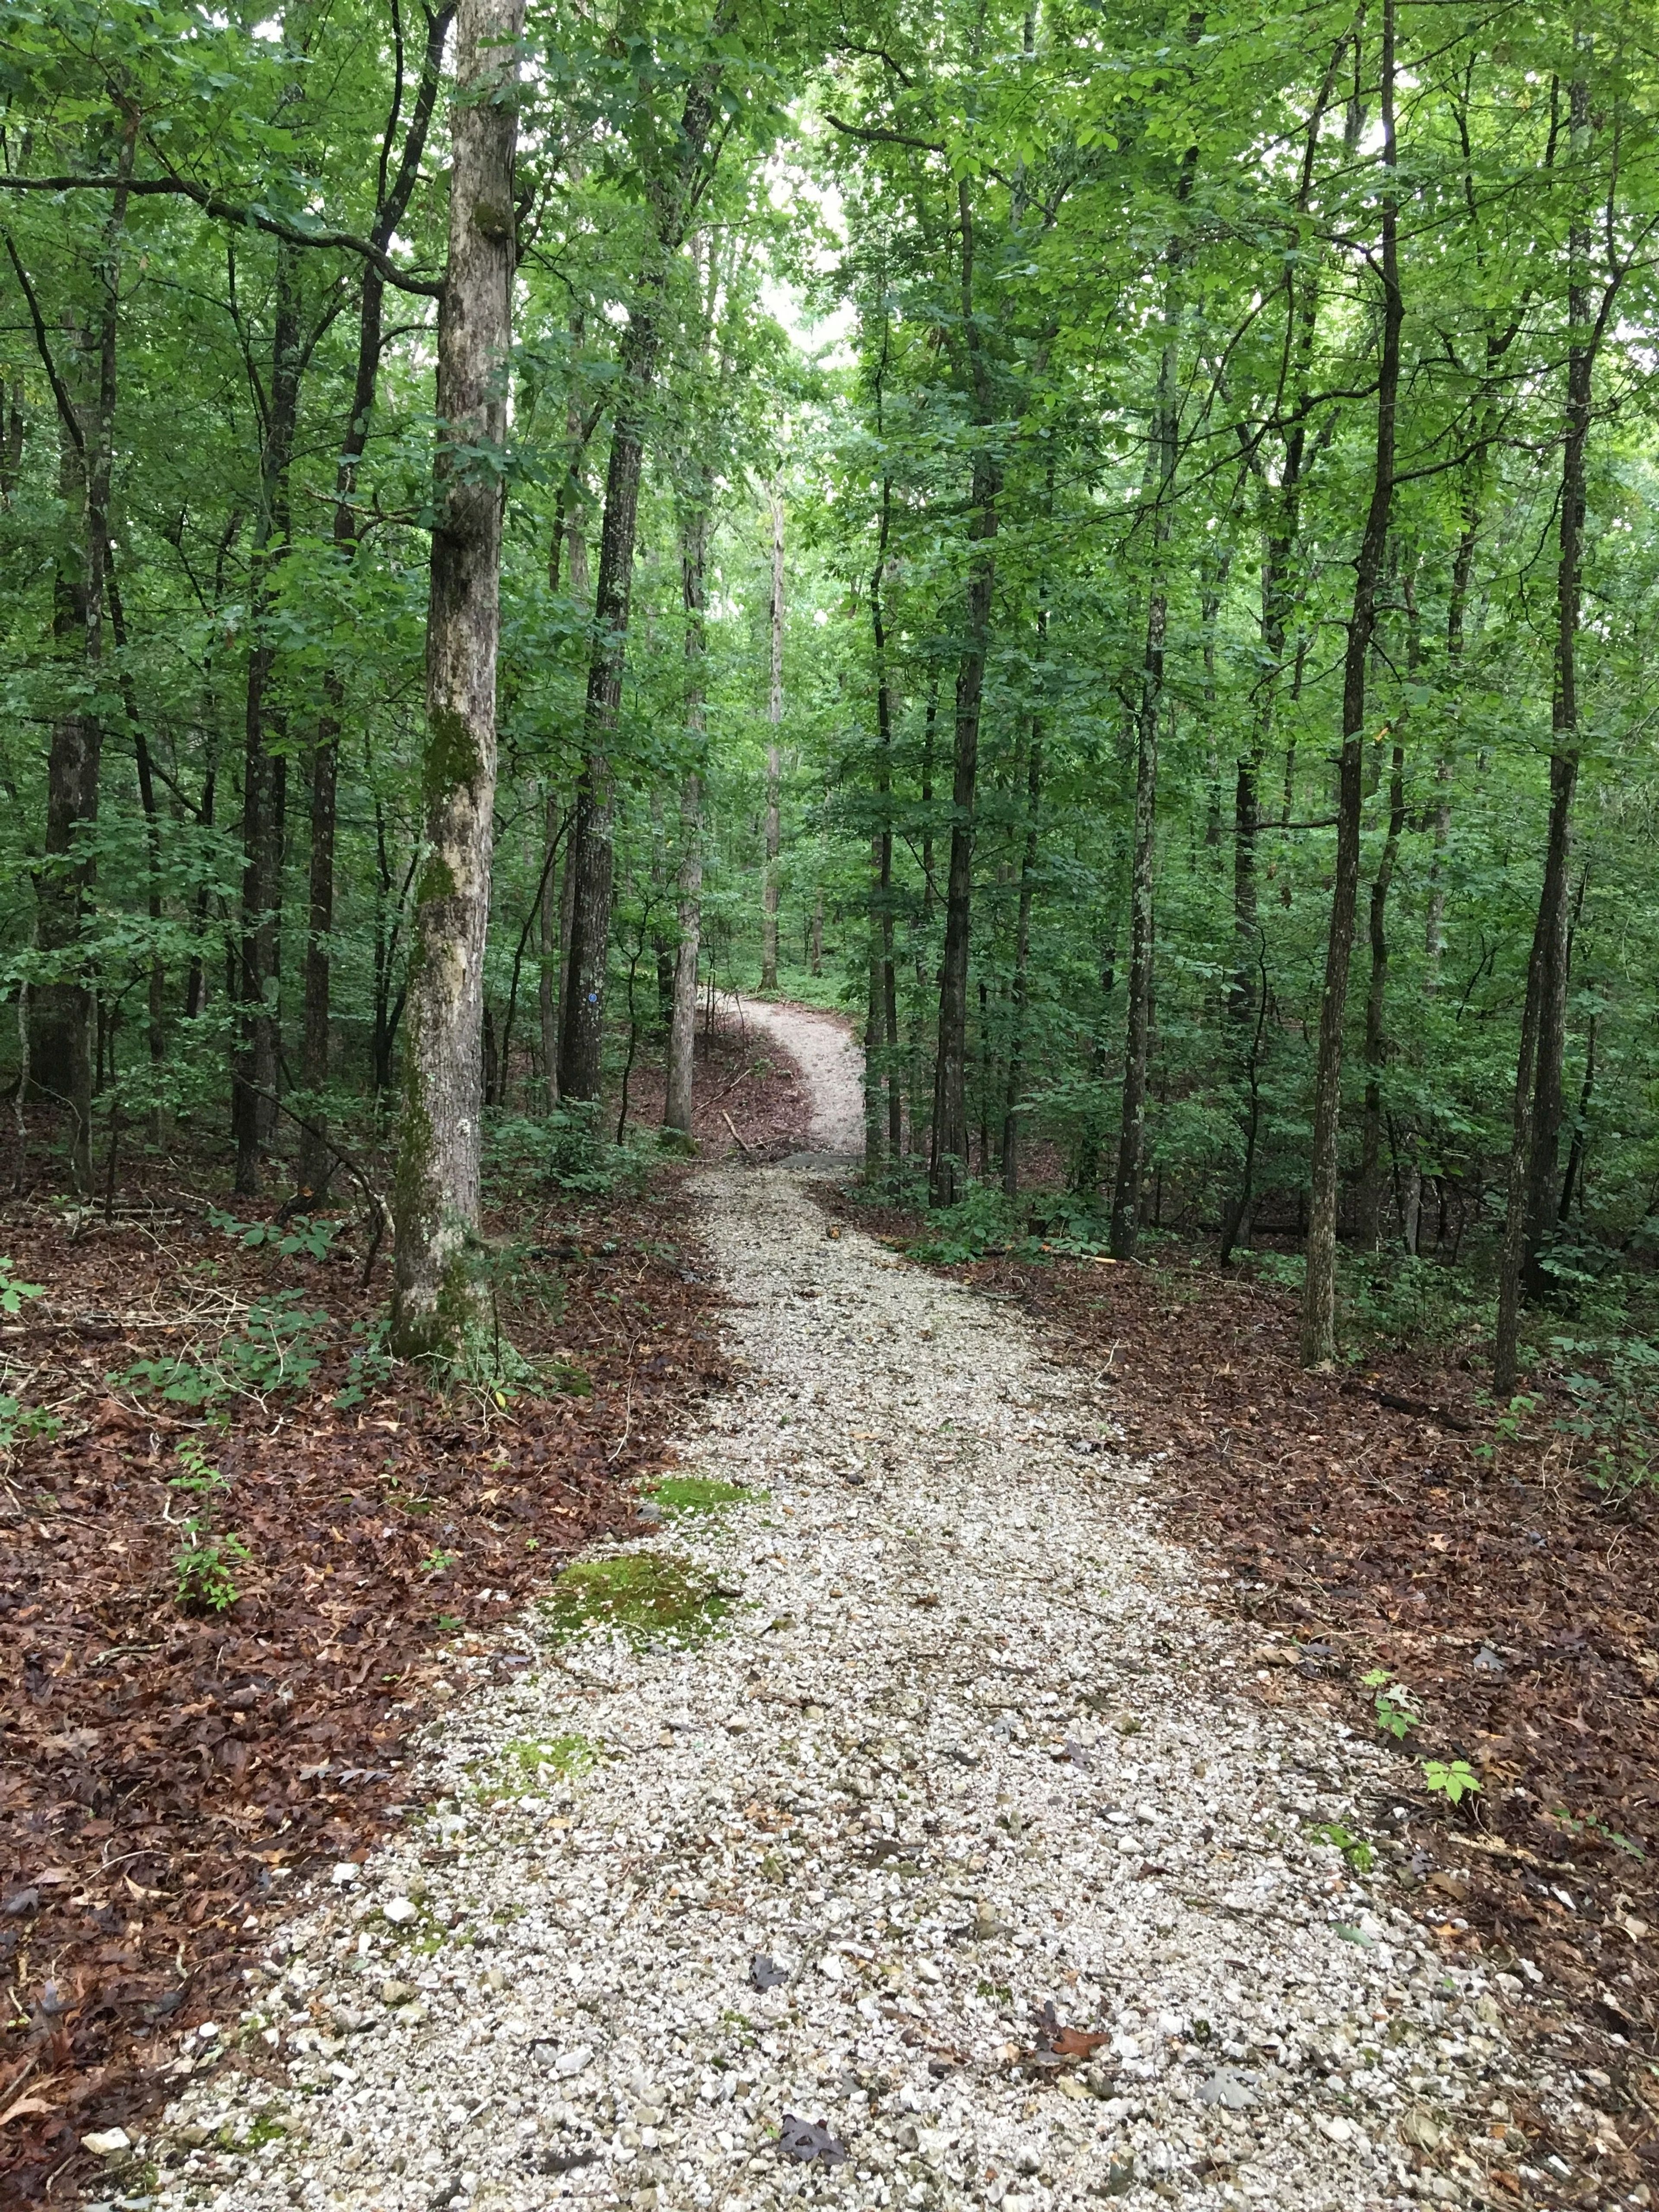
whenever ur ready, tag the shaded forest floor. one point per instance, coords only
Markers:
(190, 1715)
(1378, 1521)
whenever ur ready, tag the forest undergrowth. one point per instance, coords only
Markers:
(243, 1554)
(1470, 1585)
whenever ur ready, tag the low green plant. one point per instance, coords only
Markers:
(278, 1348)
(1394, 1716)
(368, 1369)
(1615, 1412)
(981, 1222)
(1355, 1848)
(1452, 1780)
(13, 1293)
(692, 1493)
(300, 1237)
(202, 1564)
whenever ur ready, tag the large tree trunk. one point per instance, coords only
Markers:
(315, 1162)
(436, 1192)
(683, 1017)
(1318, 1337)
(773, 757)
(264, 771)
(948, 1164)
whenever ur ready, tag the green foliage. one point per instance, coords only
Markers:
(1357, 1852)
(278, 1349)
(983, 1222)
(203, 1560)
(1453, 1780)
(13, 1293)
(301, 1238)
(1393, 1713)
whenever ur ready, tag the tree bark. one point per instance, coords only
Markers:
(1021, 981)
(1124, 1229)
(1318, 1335)
(1536, 1128)
(264, 772)
(436, 1197)
(948, 1164)
(1377, 1043)
(683, 1019)
(547, 1000)
(769, 982)
(316, 1161)
(62, 1055)
(592, 862)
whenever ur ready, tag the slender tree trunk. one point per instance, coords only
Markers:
(591, 866)
(949, 1163)
(316, 1161)
(547, 999)
(682, 1023)
(1532, 1191)
(1022, 982)
(592, 862)
(1318, 1345)
(62, 1055)
(264, 771)
(1376, 1045)
(1125, 1227)
(436, 1190)
(773, 757)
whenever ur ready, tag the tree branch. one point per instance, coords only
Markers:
(249, 216)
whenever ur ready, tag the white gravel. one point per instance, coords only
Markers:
(827, 1054)
(969, 1745)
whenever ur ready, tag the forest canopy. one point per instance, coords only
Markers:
(1118, 544)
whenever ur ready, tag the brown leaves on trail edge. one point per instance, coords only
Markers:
(162, 1770)
(1379, 1528)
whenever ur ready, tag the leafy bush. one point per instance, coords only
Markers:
(981, 1222)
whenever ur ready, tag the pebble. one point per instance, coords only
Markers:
(873, 1905)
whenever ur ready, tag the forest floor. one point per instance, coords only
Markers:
(901, 1817)
(168, 1767)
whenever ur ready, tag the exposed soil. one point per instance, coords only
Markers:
(1376, 1518)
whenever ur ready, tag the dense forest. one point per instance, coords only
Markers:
(1117, 543)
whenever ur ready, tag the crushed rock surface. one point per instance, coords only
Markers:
(967, 1764)
(828, 1055)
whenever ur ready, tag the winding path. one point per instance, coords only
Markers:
(958, 1851)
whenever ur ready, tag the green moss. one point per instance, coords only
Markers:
(645, 1595)
(690, 1494)
(530, 1762)
(451, 761)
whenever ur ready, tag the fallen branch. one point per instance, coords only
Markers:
(733, 1127)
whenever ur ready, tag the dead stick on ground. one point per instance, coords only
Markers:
(733, 1127)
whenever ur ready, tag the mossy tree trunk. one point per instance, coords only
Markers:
(435, 1200)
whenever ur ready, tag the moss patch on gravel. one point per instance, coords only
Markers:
(692, 1493)
(648, 1596)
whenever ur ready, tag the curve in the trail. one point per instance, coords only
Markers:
(950, 1868)
(829, 1057)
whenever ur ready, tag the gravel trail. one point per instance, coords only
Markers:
(825, 1052)
(956, 1850)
